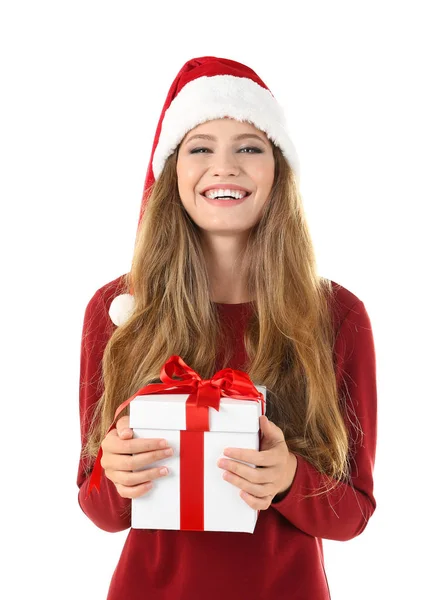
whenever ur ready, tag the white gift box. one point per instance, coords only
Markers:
(235, 425)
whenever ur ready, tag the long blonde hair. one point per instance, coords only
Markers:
(289, 338)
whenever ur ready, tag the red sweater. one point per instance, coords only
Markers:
(284, 556)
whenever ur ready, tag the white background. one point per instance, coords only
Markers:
(82, 88)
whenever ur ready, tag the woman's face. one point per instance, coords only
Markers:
(228, 153)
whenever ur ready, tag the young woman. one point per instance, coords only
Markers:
(224, 275)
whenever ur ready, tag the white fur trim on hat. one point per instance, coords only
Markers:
(207, 98)
(121, 308)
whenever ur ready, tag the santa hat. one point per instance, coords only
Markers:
(209, 88)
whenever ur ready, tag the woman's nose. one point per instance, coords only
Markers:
(224, 163)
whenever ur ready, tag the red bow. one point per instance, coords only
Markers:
(204, 393)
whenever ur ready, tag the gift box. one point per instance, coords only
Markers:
(199, 418)
(194, 495)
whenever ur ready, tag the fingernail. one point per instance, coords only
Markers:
(163, 471)
(162, 444)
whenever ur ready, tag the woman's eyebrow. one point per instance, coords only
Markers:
(212, 138)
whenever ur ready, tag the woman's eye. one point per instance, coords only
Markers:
(253, 148)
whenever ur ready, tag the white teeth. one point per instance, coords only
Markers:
(216, 193)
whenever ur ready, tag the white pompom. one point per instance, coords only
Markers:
(121, 308)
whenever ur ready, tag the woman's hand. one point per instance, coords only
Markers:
(275, 467)
(122, 455)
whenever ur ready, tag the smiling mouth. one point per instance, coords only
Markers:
(227, 197)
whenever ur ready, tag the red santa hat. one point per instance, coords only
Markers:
(208, 88)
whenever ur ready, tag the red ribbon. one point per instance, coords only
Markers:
(204, 393)
(191, 480)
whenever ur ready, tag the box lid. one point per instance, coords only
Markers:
(167, 411)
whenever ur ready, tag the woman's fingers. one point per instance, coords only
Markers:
(135, 491)
(252, 474)
(127, 462)
(125, 459)
(123, 423)
(259, 458)
(113, 443)
(257, 503)
(128, 478)
(255, 489)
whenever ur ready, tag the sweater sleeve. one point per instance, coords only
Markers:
(106, 508)
(344, 512)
